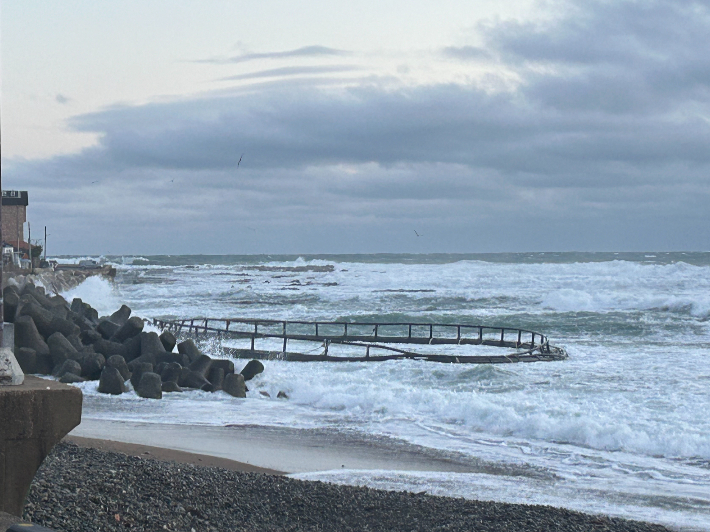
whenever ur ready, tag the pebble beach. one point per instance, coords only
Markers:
(88, 489)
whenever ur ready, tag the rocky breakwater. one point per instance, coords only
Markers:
(74, 344)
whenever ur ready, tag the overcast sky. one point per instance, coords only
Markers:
(532, 126)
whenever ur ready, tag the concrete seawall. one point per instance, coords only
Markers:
(59, 280)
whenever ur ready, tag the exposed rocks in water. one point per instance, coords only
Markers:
(72, 343)
(323, 269)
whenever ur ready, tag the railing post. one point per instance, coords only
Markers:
(519, 334)
(316, 328)
(532, 342)
(252, 342)
(367, 352)
(502, 336)
(458, 333)
(285, 340)
(480, 335)
(376, 330)
(410, 330)
(431, 331)
(226, 329)
(192, 322)
(346, 329)
(284, 328)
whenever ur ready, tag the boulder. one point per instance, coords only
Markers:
(253, 368)
(89, 336)
(132, 327)
(11, 299)
(82, 322)
(64, 326)
(193, 380)
(171, 372)
(111, 381)
(169, 358)
(92, 365)
(68, 366)
(189, 348)
(224, 363)
(137, 370)
(282, 395)
(84, 310)
(27, 335)
(184, 372)
(201, 365)
(150, 386)
(121, 315)
(27, 359)
(151, 344)
(61, 349)
(44, 364)
(71, 378)
(170, 386)
(216, 376)
(118, 362)
(168, 340)
(106, 328)
(42, 317)
(75, 341)
(108, 348)
(133, 348)
(234, 385)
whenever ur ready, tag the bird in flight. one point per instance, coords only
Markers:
(94, 181)
(415, 232)
(240, 160)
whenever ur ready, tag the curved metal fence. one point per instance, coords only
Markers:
(372, 337)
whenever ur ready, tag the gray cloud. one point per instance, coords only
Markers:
(293, 71)
(306, 51)
(602, 146)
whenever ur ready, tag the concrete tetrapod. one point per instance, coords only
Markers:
(34, 416)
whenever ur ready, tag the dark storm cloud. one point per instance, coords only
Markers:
(609, 128)
(306, 51)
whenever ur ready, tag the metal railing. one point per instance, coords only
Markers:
(530, 345)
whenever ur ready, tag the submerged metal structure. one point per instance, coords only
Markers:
(376, 339)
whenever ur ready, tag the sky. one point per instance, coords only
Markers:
(237, 127)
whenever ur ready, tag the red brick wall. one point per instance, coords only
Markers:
(13, 218)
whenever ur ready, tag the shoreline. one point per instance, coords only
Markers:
(86, 489)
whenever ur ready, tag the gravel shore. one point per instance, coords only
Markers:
(83, 489)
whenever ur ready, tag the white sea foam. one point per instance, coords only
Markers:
(627, 410)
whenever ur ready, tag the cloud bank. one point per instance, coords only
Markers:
(602, 144)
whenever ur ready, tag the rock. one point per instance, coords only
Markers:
(253, 368)
(216, 377)
(68, 366)
(168, 340)
(108, 348)
(133, 348)
(27, 359)
(75, 341)
(107, 328)
(137, 370)
(282, 395)
(171, 372)
(11, 374)
(121, 316)
(189, 348)
(111, 381)
(61, 349)
(71, 378)
(41, 317)
(169, 358)
(85, 310)
(82, 322)
(170, 386)
(193, 380)
(92, 365)
(151, 344)
(44, 364)
(66, 327)
(89, 336)
(159, 367)
(201, 365)
(132, 327)
(11, 299)
(224, 363)
(233, 384)
(265, 394)
(184, 372)
(150, 386)
(27, 335)
(209, 387)
(118, 362)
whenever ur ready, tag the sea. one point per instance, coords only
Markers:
(621, 427)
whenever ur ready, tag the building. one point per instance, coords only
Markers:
(14, 217)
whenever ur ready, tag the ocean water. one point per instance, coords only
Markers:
(622, 427)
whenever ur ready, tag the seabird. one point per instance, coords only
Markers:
(240, 160)
(415, 232)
